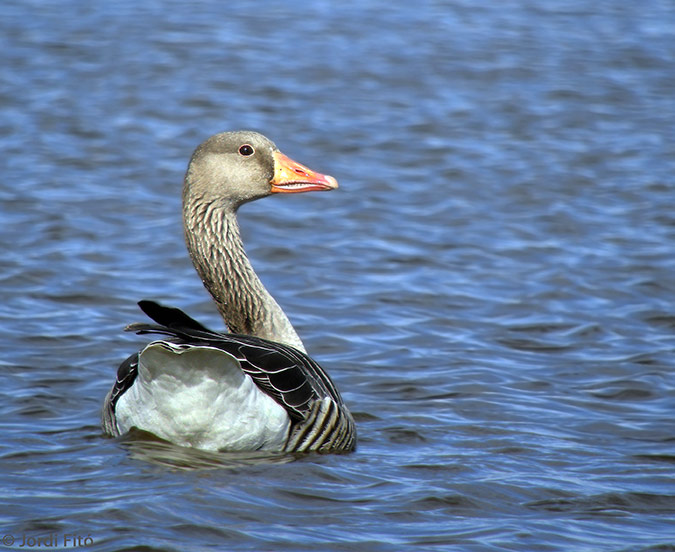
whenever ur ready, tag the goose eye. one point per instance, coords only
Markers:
(246, 150)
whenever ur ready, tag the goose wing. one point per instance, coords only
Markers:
(295, 381)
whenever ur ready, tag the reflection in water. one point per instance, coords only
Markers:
(149, 448)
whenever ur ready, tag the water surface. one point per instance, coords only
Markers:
(491, 288)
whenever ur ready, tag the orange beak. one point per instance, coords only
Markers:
(291, 177)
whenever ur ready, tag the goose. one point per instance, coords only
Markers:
(254, 388)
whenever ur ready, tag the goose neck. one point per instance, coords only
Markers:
(215, 246)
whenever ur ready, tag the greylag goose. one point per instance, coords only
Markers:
(254, 388)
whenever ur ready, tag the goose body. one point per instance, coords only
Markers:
(255, 388)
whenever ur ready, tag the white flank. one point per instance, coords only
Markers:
(200, 397)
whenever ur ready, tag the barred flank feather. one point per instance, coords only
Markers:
(325, 429)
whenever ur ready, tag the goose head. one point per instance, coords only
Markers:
(233, 168)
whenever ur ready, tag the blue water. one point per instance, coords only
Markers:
(492, 287)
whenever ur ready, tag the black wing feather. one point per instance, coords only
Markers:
(170, 317)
